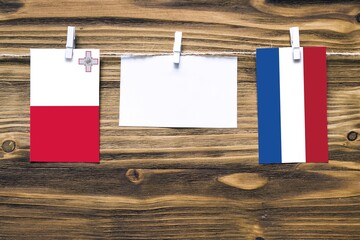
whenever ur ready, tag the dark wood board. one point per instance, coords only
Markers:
(166, 183)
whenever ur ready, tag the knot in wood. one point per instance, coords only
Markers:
(8, 146)
(358, 18)
(244, 181)
(352, 136)
(135, 176)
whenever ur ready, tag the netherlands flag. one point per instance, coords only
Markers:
(64, 106)
(292, 116)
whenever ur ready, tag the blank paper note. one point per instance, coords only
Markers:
(200, 92)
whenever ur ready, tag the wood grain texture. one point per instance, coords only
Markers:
(168, 183)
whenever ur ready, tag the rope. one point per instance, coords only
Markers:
(128, 54)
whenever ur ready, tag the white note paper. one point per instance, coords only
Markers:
(200, 92)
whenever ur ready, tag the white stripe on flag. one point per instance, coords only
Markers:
(59, 82)
(292, 109)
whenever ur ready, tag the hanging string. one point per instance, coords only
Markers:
(182, 53)
(147, 54)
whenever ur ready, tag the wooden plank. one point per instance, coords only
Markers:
(103, 200)
(214, 25)
(179, 183)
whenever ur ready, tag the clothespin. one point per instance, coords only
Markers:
(295, 42)
(177, 47)
(70, 42)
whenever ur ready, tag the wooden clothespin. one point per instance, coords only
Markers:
(70, 43)
(295, 42)
(177, 47)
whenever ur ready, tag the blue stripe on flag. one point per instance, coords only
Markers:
(268, 92)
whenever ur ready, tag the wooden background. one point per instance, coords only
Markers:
(179, 183)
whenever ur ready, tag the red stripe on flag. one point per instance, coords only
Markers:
(315, 87)
(64, 134)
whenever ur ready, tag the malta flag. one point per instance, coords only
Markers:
(64, 106)
(292, 116)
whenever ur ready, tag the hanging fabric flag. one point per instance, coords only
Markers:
(292, 116)
(64, 106)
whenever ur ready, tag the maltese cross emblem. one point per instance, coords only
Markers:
(88, 61)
